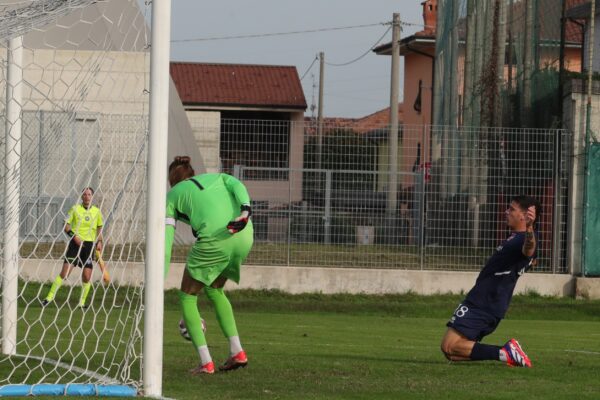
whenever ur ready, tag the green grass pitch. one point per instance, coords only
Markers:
(383, 347)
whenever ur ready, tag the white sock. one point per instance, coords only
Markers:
(234, 345)
(205, 357)
(502, 356)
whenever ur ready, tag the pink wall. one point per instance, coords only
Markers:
(416, 124)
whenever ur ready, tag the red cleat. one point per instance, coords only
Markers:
(208, 368)
(236, 361)
(515, 356)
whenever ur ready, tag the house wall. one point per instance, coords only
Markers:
(283, 192)
(414, 124)
(416, 67)
(573, 60)
(206, 126)
(548, 58)
(596, 52)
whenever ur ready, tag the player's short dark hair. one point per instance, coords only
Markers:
(525, 202)
(91, 189)
(180, 169)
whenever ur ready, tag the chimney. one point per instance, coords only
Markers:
(430, 14)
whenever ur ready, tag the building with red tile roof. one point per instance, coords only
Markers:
(245, 121)
(242, 86)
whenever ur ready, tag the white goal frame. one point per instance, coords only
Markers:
(156, 194)
(157, 191)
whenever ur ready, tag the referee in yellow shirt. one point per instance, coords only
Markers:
(84, 225)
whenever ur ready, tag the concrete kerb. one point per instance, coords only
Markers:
(333, 280)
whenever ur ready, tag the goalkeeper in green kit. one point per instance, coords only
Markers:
(217, 208)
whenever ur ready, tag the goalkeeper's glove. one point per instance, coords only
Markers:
(240, 222)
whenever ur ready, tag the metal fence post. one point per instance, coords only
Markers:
(289, 230)
(555, 203)
(237, 171)
(327, 217)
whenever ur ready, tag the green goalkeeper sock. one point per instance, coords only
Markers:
(223, 310)
(85, 290)
(191, 316)
(54, 288)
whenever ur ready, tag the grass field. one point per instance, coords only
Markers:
(384, 347)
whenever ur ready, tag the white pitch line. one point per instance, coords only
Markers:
(595, 353)
(287, 344)
(91, 374)
(102, 378)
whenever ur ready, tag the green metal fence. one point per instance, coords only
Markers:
(592, 213)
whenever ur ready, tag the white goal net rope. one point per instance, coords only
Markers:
(82, 116)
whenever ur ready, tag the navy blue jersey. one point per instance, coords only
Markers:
(496, 282)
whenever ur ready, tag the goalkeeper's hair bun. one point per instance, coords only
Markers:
(180, 169)
(181, 160)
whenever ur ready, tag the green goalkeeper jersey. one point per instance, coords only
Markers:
(207, 203)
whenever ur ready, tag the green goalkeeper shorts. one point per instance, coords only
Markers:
(208, 260)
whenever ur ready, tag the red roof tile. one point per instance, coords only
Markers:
(381, 117)
(238, 85)
(362, 125)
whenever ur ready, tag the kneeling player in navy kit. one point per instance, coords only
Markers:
(487, 302)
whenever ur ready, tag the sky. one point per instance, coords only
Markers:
(354, 90)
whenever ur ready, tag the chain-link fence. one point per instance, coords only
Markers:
(321, 197)
(333, 206)
(65, 152)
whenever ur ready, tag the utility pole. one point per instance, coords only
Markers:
(392, 203)
(320, 109)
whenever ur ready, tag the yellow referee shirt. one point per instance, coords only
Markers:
(85, 222)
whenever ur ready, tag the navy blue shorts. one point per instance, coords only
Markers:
(472, 322)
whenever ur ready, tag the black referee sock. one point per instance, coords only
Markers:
(485, 352)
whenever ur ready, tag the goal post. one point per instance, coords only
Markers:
(157, 178)
(14, 76)
(84, 89)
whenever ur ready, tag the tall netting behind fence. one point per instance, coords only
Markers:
(74, 78)
(499, 62)
(321, 196)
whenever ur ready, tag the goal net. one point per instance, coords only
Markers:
(74, 83)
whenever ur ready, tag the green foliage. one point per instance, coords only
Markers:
(582, 75)
(546, 103)
(342, 149)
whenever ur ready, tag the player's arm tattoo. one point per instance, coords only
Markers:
(529, 244)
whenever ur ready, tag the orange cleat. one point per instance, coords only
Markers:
(236, 361)
(208, 368)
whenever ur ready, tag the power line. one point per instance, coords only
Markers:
(260, 35)
(308, 69)
(362, 55)
(416, 24)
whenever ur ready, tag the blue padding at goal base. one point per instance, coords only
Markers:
(75, 389)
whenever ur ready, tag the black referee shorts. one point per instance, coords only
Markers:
(80, 256)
